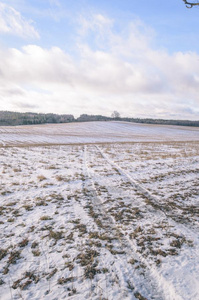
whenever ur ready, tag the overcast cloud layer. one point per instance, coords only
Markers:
(109, 70)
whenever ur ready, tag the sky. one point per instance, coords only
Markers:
(140, 58)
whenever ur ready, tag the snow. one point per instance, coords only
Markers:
(94, 132)
(101, 220)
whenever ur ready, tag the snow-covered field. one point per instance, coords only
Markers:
(100, 221)
(94, 132)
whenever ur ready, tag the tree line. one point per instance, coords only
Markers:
(16, 118)
(8, 118)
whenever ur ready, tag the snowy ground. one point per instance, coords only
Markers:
(103, 221)
(94, 132)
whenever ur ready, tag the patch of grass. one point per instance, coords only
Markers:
(28, 207)
(36, 252)
(16, 213)
(90, 271)
(2, 210)
(72, 291)
(14, 256)
(139, 296)
(41, 177)
(133, 261)
(63, 280)
(59, 178)
(69, 265)
(11, 220)
(158, 262)
(17, 170)
(1, 281)
(11, 204)
(31, 229)
(41, 203)
(104, 270)
(45, 218)
(34, 245)
(95, 243)
(81, 228)
(65, 256)
(25, 284)
(113, 251)
(54, 271)
(103, 237)
(70, 236)
(3, 253)
(5, 270)
(177, 243)
(25, 281)
(87, 258)
(136, 232)
(16, 284)
(77, 221)
(58, 197)
(158, 252)
(51, 167)
(23, 243)
(56, 235)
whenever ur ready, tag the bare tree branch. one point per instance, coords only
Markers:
(190, 4)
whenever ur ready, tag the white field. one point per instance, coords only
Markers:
(99, 221)
(94, 132)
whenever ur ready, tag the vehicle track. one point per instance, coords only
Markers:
(153, 280)
(154, 201)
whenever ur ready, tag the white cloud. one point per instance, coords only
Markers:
(128, 75)
(12, 22)
(95, 23)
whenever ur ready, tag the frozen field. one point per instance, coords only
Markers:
(94, 132)
(99, 221)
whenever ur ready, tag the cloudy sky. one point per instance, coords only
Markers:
(140, 58)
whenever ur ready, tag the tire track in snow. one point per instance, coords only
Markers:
(154, 199)
(157, 281)
(78, 211)
(184, 231)
(107, 223)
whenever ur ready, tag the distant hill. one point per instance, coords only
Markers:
(8, 118)
(162, 121)
(87, 118)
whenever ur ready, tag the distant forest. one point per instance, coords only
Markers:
(8, 118)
